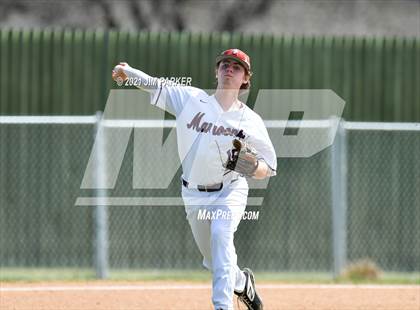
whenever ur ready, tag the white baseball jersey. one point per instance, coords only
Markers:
(205, 132)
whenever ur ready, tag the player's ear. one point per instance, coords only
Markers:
(246, 79)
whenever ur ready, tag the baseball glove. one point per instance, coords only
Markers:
(242, 158)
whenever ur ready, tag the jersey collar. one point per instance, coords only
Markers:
(220, 109)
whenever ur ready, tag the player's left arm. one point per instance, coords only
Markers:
(263, 171)
(266, 154)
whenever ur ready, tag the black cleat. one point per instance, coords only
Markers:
(249, 295)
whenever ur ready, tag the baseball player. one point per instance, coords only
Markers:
(221, 142)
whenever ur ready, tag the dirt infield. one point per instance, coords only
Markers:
(183, 295)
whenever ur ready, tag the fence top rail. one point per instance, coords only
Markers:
(381, 126)
(35, 119)
(153, 123)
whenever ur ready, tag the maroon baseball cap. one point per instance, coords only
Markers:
(236, 54)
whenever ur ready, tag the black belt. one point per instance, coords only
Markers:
(205, 188)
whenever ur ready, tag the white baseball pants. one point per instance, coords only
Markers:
(214, 232)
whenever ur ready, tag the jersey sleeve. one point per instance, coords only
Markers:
(261, 141)
(173, 98)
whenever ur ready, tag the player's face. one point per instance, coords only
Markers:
(231, 74)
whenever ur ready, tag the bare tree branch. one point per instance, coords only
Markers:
(239, 12)
(138, 11)
(6, 6)
(178, 19)
(168, 12)
(109, 18)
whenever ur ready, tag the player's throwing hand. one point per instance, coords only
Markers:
(118, 74)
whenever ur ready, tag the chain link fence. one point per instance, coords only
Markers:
(384, 198)
(42, 166)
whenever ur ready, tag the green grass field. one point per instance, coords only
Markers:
(69, 275)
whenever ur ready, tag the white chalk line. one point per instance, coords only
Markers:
(197, 287)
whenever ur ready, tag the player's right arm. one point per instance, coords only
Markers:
(169, 98)
(123, 72)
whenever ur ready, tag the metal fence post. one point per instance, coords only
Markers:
(339, 199)
(100, 210)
